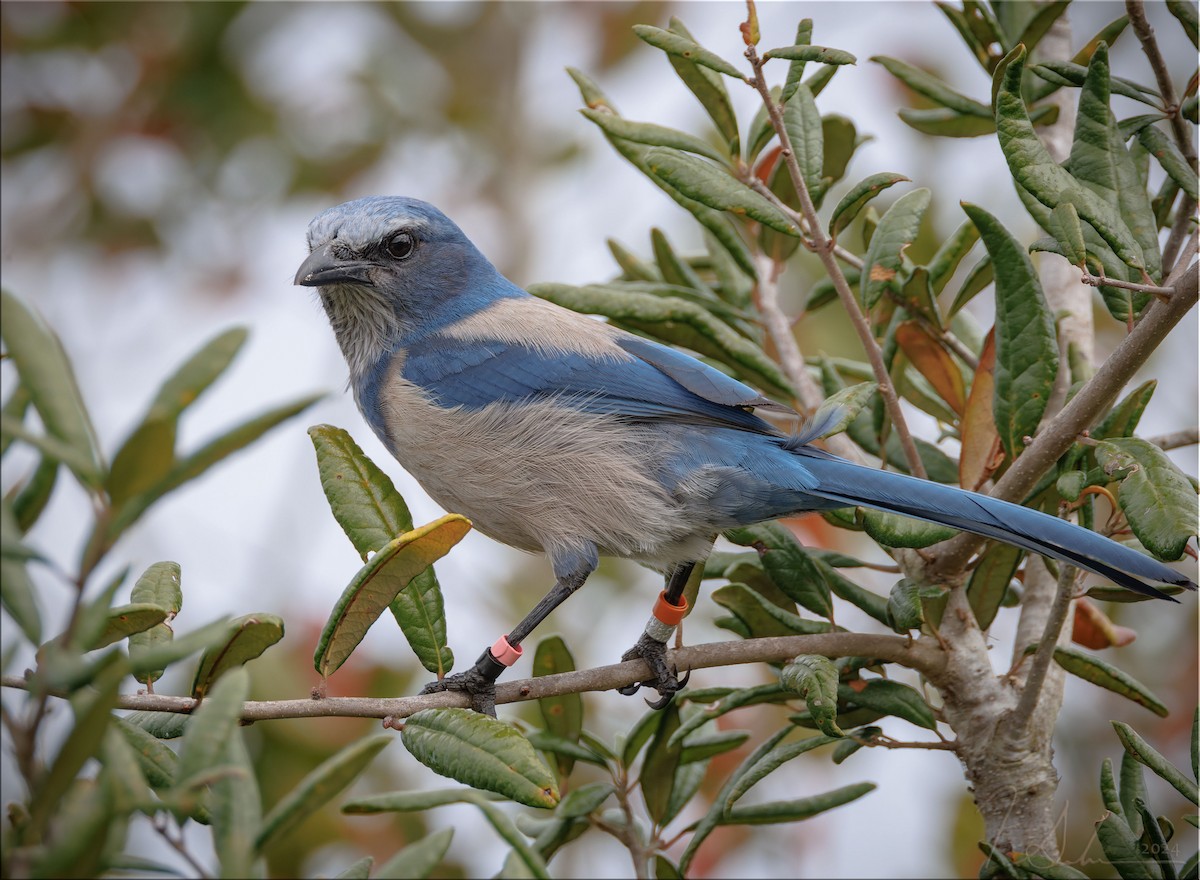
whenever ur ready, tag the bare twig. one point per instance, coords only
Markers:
(1176, 439)
(917, 654)
(822, 245)
(1097, 280)
(1145, 34)
(1015, 726)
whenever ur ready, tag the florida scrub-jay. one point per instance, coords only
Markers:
(555, 432)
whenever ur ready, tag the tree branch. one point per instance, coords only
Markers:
(918, 654)
(1176, 439)
(823, 247)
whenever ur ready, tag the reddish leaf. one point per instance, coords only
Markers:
(981, 452)
(933, 362)
(1093, 629)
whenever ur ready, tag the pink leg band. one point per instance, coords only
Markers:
(506, 653)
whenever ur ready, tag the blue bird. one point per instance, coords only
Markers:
(558, 433)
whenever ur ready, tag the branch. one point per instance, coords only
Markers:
(1097, 280)
(1145, 34)
(1056, 437)
(1176, 439)
(1016, 725)
(823, 247)
(917, 654)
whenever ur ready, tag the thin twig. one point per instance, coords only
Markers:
(917, 654)
(823, 247)
(1017, 722)
(1098, 280)
(779, 329)
(177, 844)
(1145, 34)
(1176, 439)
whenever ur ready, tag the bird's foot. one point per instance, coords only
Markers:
(478, 683)
(664, 679)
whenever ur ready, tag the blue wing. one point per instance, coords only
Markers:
(654, 382)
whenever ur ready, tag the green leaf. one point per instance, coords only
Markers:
(125, 620)
(50, 446)
(752, 696)
(147, 454)
(585, 800)
(675, 44)
(18, 596)
(1133, 789)
(1069, 234)
(363, 499)
(844, 588)
(1095, 670)
(14, 410)
(211, 727)
(237, 813)
(777, 812)
(192, 466)
(990, 580)
(47, 375)
(816, 679)
(931, 87)
(702, 747)
(652, 135)
(802, 122)
(1152, 758)
(1036, 171)
(819, 54)
(904, 609)
(1123, 851)
(1026, 345)
(705, 183)
(709, 88)
(319, 787)
(788, 564)
(897, 229)
(162, 654)
(857, 197)
(891, 698)
(837, 411)
(481, 752)
(1041, 21)
(716, 812)
(93, 715)
(662, 761)
(979, 277)
(1169, 157)
(592, 94)
(378, 583)
(1108, 788)
(769, 763)
(248, 637)
(944, 122)
(417, 860)
(1186, 13)
(1157, 498)
(676, 271)
(894, 530)
(675, 321)
(1072, 73)
(160, 584)
(563, 715)
(1043, 866)
(35, 494)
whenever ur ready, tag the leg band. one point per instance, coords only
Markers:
(670, 614)
(506, 653)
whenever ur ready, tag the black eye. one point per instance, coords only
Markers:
(401, 245)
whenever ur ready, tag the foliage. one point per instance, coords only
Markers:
(761, 192)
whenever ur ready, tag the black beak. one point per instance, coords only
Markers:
(322, 268)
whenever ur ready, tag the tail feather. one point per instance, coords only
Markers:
(841, 481)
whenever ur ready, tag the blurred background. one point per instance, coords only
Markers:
(160, 163)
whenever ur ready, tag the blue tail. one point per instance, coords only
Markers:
(837, 480)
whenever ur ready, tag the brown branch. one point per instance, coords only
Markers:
(917, 654)
(1145, 34)
(1097, 280)
(1176, 439)
(822, 245)
(1016, 725)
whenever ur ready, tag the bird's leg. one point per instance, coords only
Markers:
(479, 682)
(651, 646)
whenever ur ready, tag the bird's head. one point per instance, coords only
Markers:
(385, 266)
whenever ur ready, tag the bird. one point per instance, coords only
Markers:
(556, 432)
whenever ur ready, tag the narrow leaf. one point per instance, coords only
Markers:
(248, 637)
(1026, 345)
(319, 787)
(1092, 669)
(652, 135)
(891, 698)
(481, 752)
(980, 454)
(897, 229)
(378, 582)
(933, 362)
(211, 727)
(675, 44)
(777, 812)
(857, 198)
(1169, 157)
(928, 85)
(789, 565)
(1148, 755)
(563, 715)
(417, 860)
(819, 54)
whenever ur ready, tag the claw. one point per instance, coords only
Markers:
(476, 686)
(661, 703)
(630, 689)
(664, 681)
